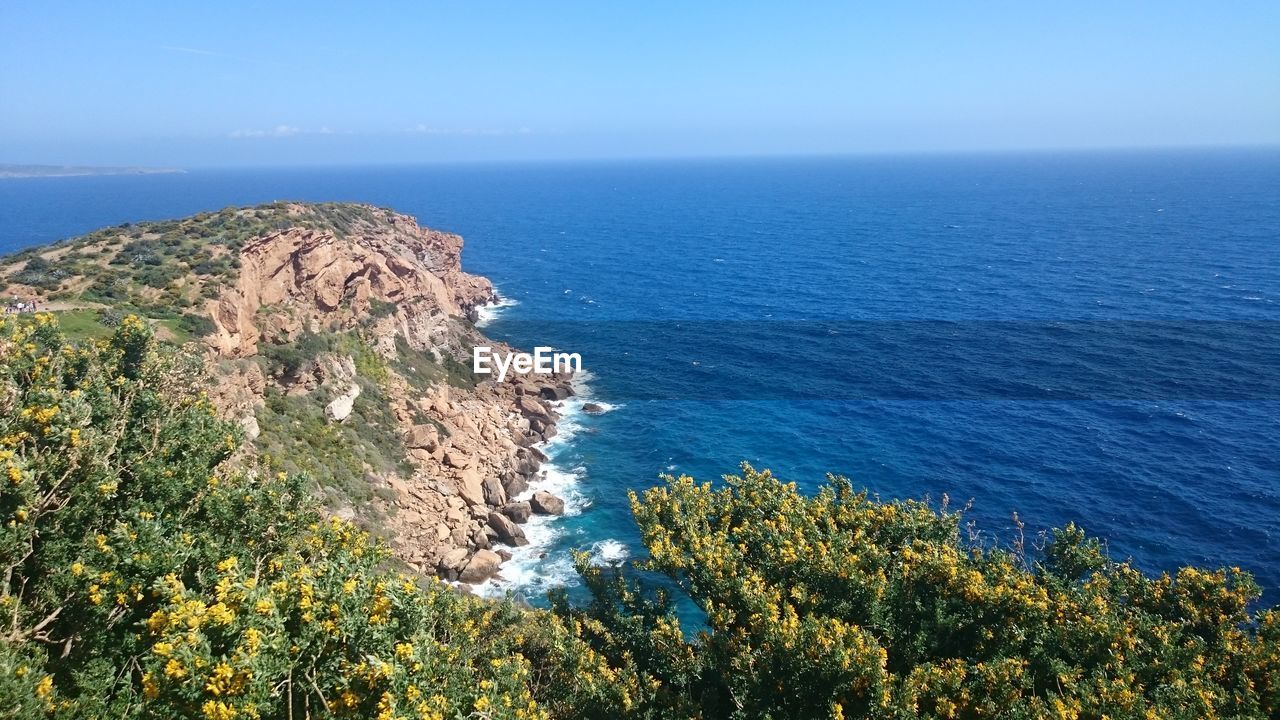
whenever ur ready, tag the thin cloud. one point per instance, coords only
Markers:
(279, 131)
(189, 51)
(422, 129)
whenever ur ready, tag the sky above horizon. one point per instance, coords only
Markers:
(237, 83)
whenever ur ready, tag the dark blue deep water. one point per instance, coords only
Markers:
(772, 311)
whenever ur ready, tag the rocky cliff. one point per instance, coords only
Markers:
(340, 334)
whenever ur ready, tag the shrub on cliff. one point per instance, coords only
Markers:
(836, 605)
(145, 577)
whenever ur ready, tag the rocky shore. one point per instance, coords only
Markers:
(472, 447)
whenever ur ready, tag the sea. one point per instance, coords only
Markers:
(1084, 337)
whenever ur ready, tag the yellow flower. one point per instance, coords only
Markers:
(45, 687)
(174, 669)
(150, 689)
(217, 710)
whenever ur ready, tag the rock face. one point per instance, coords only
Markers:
(387, 257)
(401, 289)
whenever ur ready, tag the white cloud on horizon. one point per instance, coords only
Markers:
(279, 131)
(423, 129)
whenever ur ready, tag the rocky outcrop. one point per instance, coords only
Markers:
(401, 288)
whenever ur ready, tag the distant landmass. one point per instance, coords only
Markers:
(27, 171)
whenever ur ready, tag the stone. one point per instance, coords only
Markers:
(515, 484)
(340, 408)
(494, 493)
(544, 503)
(553, 392)
(422, 436)
(451, 563)
(471, 487)
(592, 409)
(531, 408)
(517, 511)
(508, 532)
(453, 457)
(481, 567)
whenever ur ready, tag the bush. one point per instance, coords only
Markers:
(839, 606)
(197, 325)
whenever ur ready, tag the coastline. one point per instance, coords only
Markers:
(535, 568)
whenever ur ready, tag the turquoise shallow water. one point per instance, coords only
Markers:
(696, 290)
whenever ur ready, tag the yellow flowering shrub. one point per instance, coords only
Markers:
(147, 577)
(837, 605)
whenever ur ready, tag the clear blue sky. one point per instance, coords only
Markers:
(229, 83)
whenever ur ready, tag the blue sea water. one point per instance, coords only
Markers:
(735, 310)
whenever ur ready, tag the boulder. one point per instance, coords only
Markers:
(517, 511)
(451, 563)
(340, 408)
(422, 436)
(544, 503)
(531, 408)
(554, 392)
(453, 457)
(508, 532)
(592, 409)
(515, 483)
(494, 493)
(481, 567)
(471, 487)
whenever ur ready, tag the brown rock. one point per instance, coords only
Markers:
(508, 531)
(532, 408)
(451, 563)
(517, 511)
(422, 436)
(515, 484)
(471, 487)
(544, 503)
(494, 493)
(481, 567)
(554, 392)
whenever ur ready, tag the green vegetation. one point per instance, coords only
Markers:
(148, 574)
(163, 270)
(421, 369)
(83, 324)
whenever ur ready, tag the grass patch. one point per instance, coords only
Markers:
(82, 325)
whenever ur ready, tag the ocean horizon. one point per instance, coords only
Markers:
(763, 310)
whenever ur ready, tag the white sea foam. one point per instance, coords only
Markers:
(607, 552)
(487, 313)
(531, 570)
